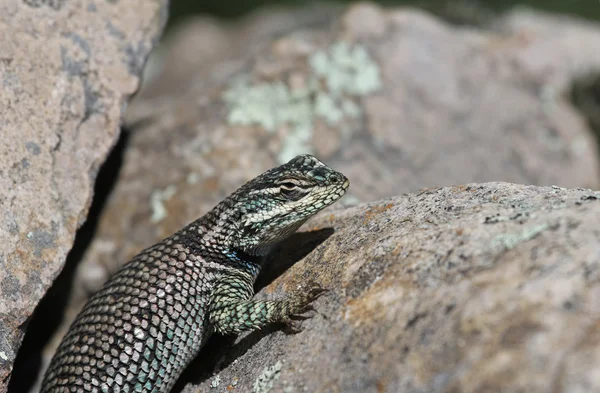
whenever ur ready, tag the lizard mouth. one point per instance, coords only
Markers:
(343, 187)
(346, 184)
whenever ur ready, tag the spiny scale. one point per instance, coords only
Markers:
(151, 318)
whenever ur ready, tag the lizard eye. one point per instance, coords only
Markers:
(291, 191)
(288, 186)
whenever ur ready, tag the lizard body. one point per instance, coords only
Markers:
(150, 319)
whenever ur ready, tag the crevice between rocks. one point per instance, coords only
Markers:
(50, 310)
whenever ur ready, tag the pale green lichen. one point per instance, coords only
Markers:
(269, 105)
(328, 109)
(192, 178)
(215, 382)
(511, 240)
(267, 378)
(350, 108)
(296, 142)
(337, 76)
(347, 69)
(159, 212)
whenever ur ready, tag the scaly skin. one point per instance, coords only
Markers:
(151, 318)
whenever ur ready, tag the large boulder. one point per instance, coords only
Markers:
(67, 69)
(490, 287)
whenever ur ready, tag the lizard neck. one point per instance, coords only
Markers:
(244, 261)
(216, 228)
(224, 227)
(213, 235)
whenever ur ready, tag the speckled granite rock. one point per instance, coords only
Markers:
(488, 287)
(67, 69)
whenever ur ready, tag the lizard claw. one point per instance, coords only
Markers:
(303, 302)
(300, 303)
(291, 326)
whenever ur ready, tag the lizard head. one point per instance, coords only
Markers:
(275, 204)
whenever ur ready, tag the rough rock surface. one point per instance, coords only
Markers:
(490, 287)
(67, 69)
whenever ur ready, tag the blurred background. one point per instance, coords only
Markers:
(468, 91)
(181, 9)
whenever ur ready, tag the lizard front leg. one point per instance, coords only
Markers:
(232, 309)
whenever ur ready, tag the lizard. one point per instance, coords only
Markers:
(152, 317)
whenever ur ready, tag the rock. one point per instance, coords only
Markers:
(219, 50)
(481, 287)
(67, 69)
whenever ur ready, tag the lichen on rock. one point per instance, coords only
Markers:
(338, 75)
